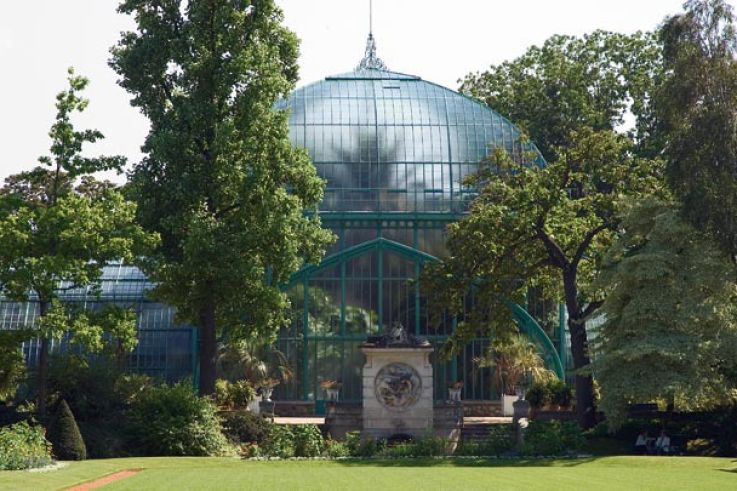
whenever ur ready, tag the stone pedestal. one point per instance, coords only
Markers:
(397, 392)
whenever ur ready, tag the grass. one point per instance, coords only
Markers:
(601, 473)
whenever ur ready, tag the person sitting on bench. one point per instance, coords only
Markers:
(662, 444)
(641, 443)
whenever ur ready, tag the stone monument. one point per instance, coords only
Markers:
(397, 385)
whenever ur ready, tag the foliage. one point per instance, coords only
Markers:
(234, 394)
(253, 360)
(279, 442)
(58, 229)
(308, 441)
(360, 447)
(515, 359)
(12, 362)
(336, 450)
(539, 395)
(499, 441)
(570, 84)
(562, 393)
(546, 228)
(23, 446)
(671, 325)
(697, 109)
(549, 438)
(172, 420)
(64, 434)
(220, 180)
(245, 427)
(421, 447)
(99, 392)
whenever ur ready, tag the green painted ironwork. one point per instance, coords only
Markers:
(315, 345)
(530, 327)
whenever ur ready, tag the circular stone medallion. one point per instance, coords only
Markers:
(398, 386)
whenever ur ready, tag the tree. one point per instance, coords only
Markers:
(570, 84)
(58, 229)
(220, 181)
(671, 323)
(12, 366)
(697, 108)
(546, 228)
(64, 435)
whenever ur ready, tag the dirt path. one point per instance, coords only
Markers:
(98, 483)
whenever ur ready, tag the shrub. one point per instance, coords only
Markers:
(308, 441)
(234, 394)
(572, 436)
(336, 450)
(172, 420)
(422, 447)
(538, 395)
(552, 437)
(501, 439)
(430, 447)
(562, 395)
(88, 387)
(472, 449)
(64, 434)
(23, 446)
(363, 448)
(245, 427)
(353, 442)
(279, 442)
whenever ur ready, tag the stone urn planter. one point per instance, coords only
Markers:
(507, 404)
(454, 391)
(332, 389)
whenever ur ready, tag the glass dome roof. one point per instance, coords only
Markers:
(390, 142)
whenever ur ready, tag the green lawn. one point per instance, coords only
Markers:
(601, 473)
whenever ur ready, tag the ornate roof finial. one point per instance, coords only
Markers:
(370, 61)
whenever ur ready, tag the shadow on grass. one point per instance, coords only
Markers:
(732, 470)
(467, 462)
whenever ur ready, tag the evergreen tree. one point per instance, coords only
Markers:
(671, 322)
(64, 435)
(220, 181)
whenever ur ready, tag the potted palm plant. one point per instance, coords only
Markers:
(516, 362)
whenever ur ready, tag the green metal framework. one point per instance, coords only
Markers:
(393, 150)
(335, 354)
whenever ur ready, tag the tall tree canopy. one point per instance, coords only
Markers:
(220, 181)
(697, 108)
(571, 83)
(58, 228)
(541, 227)
(671, 322)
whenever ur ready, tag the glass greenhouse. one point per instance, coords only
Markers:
(393, 149)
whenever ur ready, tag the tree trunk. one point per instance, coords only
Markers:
(42, 373)
(208, 348)
(585, 406)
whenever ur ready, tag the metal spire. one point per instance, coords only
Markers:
(370, 61)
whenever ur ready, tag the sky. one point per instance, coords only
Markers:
(440, 41)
